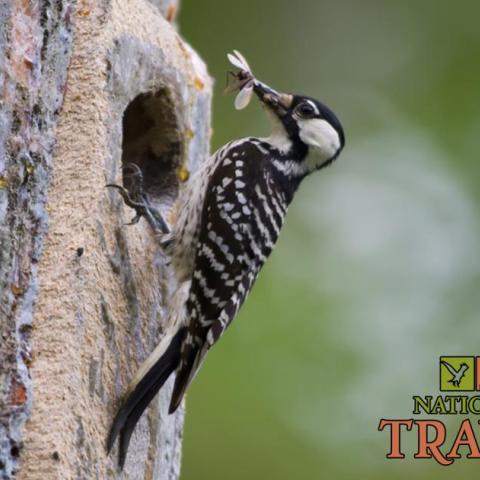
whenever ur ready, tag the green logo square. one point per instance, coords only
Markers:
(457, 374)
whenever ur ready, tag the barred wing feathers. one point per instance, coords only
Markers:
(242, 215)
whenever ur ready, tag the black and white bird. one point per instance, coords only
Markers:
(229, 222)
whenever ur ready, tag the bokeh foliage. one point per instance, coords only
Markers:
(377, 272)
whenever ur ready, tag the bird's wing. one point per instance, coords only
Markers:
(449, 367)
(235, 238)
(194, 349)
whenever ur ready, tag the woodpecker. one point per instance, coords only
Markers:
(229, 221)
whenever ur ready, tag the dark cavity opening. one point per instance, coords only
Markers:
(152, 140)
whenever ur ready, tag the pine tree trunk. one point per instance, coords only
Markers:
(87, 86)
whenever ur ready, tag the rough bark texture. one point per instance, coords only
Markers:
(86, 86)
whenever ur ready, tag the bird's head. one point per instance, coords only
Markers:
(307, 123)
(302, 126)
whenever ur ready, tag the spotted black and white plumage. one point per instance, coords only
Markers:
(242, 215)
(229, 220)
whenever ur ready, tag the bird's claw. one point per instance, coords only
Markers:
(138, 206)
(134, 220)
(137, 199)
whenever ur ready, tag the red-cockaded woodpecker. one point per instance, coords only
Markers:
(228, 225)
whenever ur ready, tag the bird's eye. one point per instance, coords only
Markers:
(305, 110)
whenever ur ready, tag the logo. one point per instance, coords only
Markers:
(460, 379)
(459, 374)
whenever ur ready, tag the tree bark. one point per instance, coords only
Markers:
(86, 87)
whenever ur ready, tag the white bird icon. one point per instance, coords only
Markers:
(457, 374)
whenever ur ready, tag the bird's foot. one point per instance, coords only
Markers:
(137, 198)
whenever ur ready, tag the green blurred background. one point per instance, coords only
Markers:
(377, 271)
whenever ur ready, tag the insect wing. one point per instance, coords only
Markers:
(243, 60)
(236, 62)
(244, 96)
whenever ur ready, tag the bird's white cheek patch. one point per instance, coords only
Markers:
(320, 136)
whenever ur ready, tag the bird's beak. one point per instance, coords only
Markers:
(278, 102)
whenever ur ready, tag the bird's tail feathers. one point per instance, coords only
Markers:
(185, 376)
(151, 376)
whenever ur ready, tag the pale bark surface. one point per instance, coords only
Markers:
(84, 87)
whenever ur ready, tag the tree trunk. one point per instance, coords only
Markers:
(87, 86)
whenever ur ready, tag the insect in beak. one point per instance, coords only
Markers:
(244, 80)
(246, 84)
